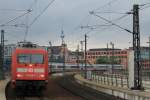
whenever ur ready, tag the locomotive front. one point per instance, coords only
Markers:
(29, 68)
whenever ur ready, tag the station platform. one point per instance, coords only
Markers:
(3, 84)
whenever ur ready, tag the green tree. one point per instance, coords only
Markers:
(102, 60)
(108, 60)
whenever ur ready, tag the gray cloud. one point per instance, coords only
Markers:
(71, 14)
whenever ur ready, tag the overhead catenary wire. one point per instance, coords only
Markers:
(111, 22)
(36, 18)
(94, 27)
(13, 25)
(6, 24)
(117, 19)
(110, 2)
(106, 12)
(145, 4)
(145, 7)
(13, 10)
(14, 19)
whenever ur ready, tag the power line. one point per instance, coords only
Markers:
(148, 3)
(93, 27)
(13, 10)
(111, 12)
(145, 7)
(14, 19)
(111, 22)
(117, 19)
(13, 25)
(110, 2)
(36, 18)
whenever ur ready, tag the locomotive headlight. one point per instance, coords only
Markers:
(30, 65)
(19, 75)
(42, 75)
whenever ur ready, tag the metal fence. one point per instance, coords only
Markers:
(119, 78)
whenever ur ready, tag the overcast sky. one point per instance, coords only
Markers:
(71, 15)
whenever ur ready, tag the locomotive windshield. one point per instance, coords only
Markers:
(31, 58)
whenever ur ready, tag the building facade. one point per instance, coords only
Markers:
(120, 55)
(8, 50)
(75, 57)
(58, 53)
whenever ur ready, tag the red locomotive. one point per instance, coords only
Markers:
(29, 67)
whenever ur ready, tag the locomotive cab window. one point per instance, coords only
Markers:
(31, 58)
(37, 59)
(23, 58)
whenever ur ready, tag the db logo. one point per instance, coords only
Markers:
(30, 70)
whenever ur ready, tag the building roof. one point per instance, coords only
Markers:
(103, 49)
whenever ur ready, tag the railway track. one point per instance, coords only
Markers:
(31, 98)
(53, 92)
(87, 93)
(61, 88)
(12, 95)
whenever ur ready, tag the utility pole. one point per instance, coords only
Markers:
(77, 61)
(51, 55)
(149, 50)
(81, 42)
(112, 60)
(107, 58)
(2, 55)
(136, 48)
(136, 45)
(85, 61)
(63, 47)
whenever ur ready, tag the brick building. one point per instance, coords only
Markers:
(121, 55)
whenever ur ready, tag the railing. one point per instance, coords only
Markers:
(121, 92)
(109, 79)
(118, 78)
